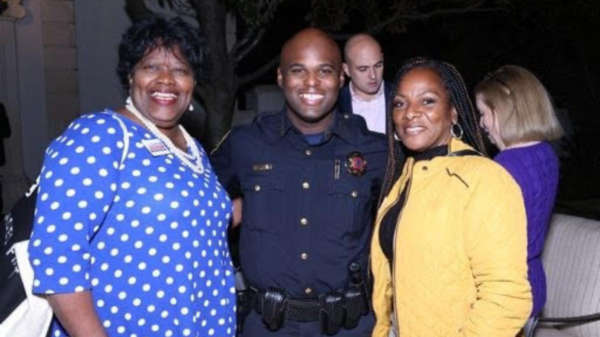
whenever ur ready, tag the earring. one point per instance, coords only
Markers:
(456, 131)
(191, 108)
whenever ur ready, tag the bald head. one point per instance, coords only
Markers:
(309, 39)
(364, 65)
(358, 43)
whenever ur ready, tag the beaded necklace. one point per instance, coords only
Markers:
(185, 158)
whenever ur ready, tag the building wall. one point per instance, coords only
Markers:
(60, 66)
(100, 24)
(38, 83)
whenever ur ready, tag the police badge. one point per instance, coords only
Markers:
(356, 163)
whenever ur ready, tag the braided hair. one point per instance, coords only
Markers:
(460, 100)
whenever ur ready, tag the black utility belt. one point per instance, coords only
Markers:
(332, 310)
(299, 310)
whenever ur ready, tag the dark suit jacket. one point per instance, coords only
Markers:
(344, 102)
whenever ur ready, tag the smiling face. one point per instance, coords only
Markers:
(310, 77)
(423, 113)
(489, 121)
(161, 86)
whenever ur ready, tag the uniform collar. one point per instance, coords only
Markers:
(280, 126)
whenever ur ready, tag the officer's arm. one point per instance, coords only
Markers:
(223, 163)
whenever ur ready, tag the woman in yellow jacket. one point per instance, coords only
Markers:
(449, 248)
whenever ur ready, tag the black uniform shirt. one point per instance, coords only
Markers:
(305, 216)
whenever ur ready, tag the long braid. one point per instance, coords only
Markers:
(467, 117)
(459, 96)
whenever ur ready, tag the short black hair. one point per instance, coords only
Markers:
(147, 35)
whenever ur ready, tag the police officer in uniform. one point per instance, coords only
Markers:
(309, 178)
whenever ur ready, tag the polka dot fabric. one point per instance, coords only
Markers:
(147, 238)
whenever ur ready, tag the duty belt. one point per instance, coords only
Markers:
(299, 310)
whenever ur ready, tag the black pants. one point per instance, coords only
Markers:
(254, 327)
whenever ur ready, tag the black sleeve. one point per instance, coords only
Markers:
(4, 123)
(223, 163)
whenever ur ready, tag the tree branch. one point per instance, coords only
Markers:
(258, 72)
(398, 16)
(248, 36)
(249, 46)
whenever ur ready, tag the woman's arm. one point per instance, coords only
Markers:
(76, 313)
(497, 248)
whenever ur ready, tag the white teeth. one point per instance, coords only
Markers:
(415, 129)
(311, 96)
(163, 95)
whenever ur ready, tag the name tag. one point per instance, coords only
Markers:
(262, 167)
(156, 147)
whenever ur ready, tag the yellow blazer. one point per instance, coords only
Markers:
(460, 251)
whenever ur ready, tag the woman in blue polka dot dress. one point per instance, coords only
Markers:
(130, 234)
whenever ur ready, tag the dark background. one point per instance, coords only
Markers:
(556, 40)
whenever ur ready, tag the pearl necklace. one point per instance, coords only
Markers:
(183, 156)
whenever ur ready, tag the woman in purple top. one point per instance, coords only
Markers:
(518, 116)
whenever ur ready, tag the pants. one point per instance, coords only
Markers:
(254, 327)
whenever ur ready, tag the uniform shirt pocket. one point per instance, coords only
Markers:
(262, 194)
(352, 203)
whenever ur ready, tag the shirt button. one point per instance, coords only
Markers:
(308, 152)
(346, 116)
(425, 168)
(308, 291)
(257, 188)
(304, 256)
(305, 185)
(303, 222)
(354, 194)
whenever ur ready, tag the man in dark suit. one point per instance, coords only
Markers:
(367, 94)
